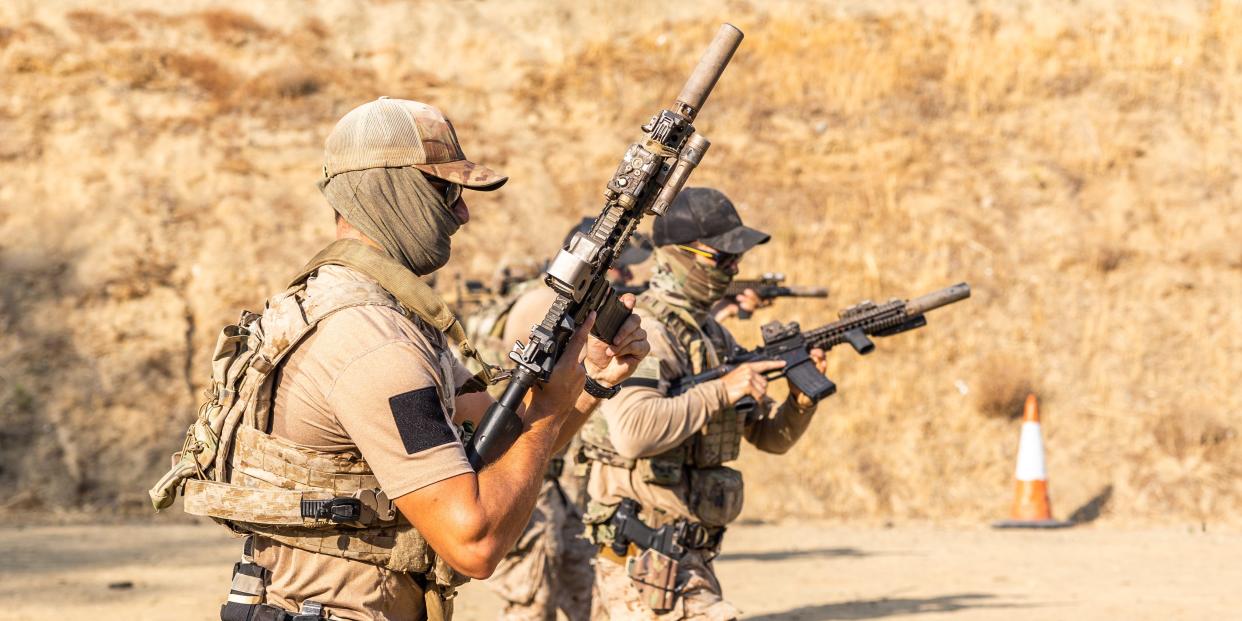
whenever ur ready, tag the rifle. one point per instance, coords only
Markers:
(789, 343)
(767, 286)
(649, 177)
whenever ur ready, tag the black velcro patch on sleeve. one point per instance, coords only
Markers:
(420, 420)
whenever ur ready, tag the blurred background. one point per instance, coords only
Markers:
(1076, 162)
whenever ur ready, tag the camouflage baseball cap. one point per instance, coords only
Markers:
(706, 215)
(394, 133)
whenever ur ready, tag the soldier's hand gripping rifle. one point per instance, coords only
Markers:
(651, 174)
(790, 343)
(770, 286)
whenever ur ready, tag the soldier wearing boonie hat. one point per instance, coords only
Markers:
(343, 460)
(667, 453)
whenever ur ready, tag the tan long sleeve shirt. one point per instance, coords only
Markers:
(643, 421)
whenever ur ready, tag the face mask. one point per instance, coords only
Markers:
(398, 209)
(699, 283)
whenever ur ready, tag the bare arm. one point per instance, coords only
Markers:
(472, 520)
(607, 363)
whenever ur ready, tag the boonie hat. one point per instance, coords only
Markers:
(636, 250)
(395, 133)
(706, 215)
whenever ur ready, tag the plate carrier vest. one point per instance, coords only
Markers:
(232, 470)
(713, 489)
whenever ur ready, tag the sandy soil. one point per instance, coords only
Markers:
(1078, 162)
(801, 570)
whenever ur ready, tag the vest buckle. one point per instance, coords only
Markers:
(337, 510)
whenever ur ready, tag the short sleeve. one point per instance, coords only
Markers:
(387, 399)
(460, 373)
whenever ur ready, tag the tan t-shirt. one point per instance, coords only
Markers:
(371, 382)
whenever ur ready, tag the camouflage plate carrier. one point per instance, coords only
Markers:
(232, 470)
(714, 490)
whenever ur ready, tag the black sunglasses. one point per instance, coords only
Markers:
(451, 191)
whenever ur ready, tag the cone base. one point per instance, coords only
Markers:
(1038, 524)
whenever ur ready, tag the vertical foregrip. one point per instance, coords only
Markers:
(501, 425)
(609, 317)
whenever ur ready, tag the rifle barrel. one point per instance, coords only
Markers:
(710, 66)
(936, 299)
(808, 292)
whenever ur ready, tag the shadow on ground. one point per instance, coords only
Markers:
(885, 607)
(785, 555)
(1091, 511)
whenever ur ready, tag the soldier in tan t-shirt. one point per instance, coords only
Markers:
(372, 396)
(666, 452)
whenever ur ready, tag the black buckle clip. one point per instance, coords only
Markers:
(311, 610)
(336, 509)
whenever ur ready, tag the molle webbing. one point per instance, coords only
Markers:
(414, 294)
(700, 348)
(719, 440)
(272, 479)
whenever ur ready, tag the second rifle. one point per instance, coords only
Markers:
(768, 286)
(788, 342)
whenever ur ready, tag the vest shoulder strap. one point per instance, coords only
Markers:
(414, 294)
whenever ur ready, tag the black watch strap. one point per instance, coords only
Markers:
(597, 390)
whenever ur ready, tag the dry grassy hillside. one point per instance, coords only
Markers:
(1077, 163)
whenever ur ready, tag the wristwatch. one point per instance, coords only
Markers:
(597, 390)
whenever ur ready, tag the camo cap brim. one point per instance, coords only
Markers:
(466, 174)
(395, 133)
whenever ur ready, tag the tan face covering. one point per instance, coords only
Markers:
(400, 210)
(679, 273)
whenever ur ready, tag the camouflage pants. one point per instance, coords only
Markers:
(549, 568)
(700, 599)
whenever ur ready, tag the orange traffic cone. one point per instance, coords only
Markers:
(1031, 507)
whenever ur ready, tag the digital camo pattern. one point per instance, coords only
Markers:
(550, 567)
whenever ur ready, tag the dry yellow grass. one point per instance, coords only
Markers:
(1077, 163)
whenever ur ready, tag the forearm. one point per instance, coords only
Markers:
(509, 487)
(472, 520)
(777, 433)
(583, 408)
(643, 422)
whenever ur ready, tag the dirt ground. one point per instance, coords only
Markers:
(797, 570)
